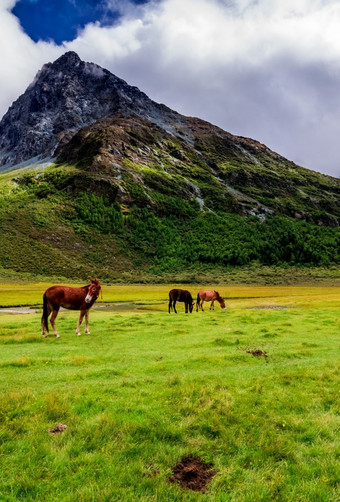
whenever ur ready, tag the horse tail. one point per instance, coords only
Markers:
(44, 317)
(198, 301)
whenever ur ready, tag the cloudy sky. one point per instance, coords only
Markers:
(267, 69)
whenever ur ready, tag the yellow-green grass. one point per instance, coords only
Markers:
(16, 294)
(146, 388)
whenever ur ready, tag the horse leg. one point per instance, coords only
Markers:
(175, 307)
(81, 317)
(186, 307)
(202, 301)
(55, 311)
(87, 314)
(212, 305)
(170, 305)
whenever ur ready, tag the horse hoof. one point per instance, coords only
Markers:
(57, 335)
(78, 334)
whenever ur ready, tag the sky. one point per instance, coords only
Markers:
(265, 69)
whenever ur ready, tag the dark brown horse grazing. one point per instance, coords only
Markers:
(208, 296)
(70, 298)
(181, 295)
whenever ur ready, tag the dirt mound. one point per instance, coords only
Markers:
(192, 473)
(258, 353)
(57, 428)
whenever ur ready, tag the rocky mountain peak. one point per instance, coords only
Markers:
(64, 97)
(69, 58)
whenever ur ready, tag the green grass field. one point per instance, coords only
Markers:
(146, 388)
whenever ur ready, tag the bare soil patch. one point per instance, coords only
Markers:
(192, 473)
(57, 428)
(258, 353)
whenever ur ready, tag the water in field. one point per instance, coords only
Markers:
(102, 307)
(113, 307)
(19, 310)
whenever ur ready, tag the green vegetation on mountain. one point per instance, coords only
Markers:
(130, 202)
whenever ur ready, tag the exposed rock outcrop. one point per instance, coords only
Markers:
(64, 97)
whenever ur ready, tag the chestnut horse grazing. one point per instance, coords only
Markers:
(70, 298)
(208, 296)
(181, 295)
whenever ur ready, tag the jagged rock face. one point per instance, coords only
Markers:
(64, 97)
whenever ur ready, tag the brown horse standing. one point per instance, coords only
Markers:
(208, 296)
(181, 295)
(70, 298)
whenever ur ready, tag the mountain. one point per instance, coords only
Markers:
(135, 186)
(64, 97)
(82, 114)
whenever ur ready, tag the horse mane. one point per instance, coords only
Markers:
(93, 281)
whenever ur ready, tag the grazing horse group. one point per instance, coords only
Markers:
(183, 295)
(83, 299)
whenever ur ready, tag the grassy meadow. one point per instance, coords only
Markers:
(146, 388)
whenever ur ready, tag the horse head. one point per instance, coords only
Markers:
(93, 291)
(220, 300)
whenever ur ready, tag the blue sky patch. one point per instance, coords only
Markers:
(60, 20)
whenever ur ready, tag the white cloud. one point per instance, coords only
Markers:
(267, 69)
(21, 58)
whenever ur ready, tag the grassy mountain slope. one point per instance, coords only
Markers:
(127, 199)
(201, 161)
